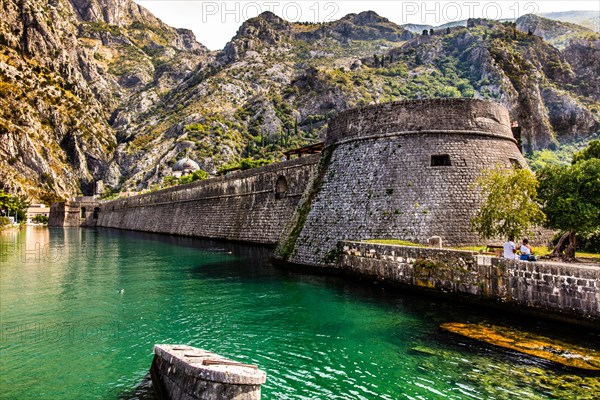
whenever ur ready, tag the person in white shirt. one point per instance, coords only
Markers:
(526, 251)
(510, 249)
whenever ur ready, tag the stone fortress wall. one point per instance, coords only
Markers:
(250, 206)
(401, 170)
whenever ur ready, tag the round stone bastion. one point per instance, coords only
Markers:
(405, 170)
(466, 117)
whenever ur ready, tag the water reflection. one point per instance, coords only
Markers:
(69, 332)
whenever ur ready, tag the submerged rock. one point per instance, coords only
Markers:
(566, 354)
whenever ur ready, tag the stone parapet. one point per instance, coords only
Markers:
(461, 116)
(562, 290)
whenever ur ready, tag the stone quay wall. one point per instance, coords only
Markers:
(403, 170)
(564, 290)
(250, 206)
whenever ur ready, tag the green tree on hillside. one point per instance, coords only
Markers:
(198, 175)
(571, 197)
(510, 206)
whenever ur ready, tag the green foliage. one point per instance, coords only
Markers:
(571, 193)
(199, 175)
(100, 27)
(448, 91)
(40, 219)
(248, 163)
(398, 242)
(563, 154)
(589, 241)
(169, 181)
(216, 127)
(186, 179)
(510, 205)
(243, 164)
(591, 151)
(109, 194)
(4, 221)
(197, 127)
(398, 70)
(13, 205)
(543, 158)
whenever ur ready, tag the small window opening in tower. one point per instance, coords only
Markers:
(515, 163)
(440, 160)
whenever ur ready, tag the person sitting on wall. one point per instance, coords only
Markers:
(526, 251)
(510, 249)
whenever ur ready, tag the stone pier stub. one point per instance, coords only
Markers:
(186, 373)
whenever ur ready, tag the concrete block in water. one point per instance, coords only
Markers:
(186, 373)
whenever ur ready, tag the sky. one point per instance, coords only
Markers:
(215, 22)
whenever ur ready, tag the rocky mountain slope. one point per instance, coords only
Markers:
(149, 94)
(273, 86)
(66, 66)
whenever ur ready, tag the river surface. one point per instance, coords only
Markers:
(68, 331)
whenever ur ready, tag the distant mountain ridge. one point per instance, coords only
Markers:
(127, 96)
(586, 19)
(558, 34)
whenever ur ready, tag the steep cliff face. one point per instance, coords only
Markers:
(66, 66)
(584, 58)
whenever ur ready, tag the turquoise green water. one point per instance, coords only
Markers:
(68, 333)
